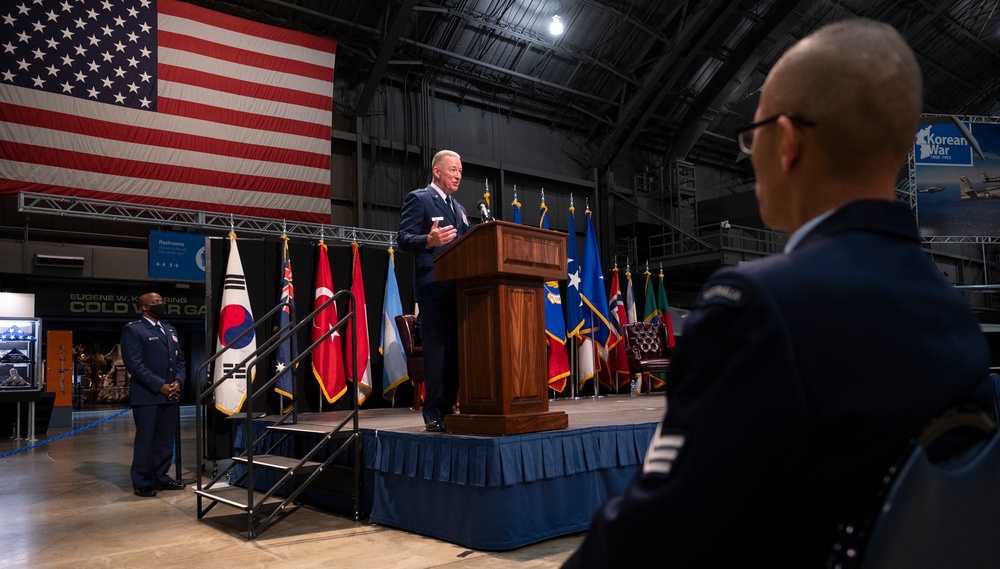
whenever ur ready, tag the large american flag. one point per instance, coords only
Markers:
(165, 103)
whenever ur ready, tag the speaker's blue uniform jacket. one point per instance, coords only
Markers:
(437, 318)
(152, 359)
(796, 385)
(415, 220)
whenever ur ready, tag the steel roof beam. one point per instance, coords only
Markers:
(697, 35)
(390, 40)
(780, 18)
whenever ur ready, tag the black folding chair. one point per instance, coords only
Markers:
(940, 506)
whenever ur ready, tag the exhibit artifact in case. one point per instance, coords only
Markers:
(20, 354)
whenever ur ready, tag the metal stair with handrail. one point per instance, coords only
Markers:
(238, 490)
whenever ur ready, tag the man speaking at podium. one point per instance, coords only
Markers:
(430, 221)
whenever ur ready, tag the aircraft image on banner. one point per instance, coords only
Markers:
(967, 192)
(930, 190)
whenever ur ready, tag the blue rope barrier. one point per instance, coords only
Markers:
(84, 428)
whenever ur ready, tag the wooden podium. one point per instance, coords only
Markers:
(499, 269)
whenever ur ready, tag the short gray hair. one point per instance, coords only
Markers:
(441, 155)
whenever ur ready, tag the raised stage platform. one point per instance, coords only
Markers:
(495, 493)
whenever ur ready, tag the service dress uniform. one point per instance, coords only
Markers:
(153, 357)
(796, 385)
(436, 320)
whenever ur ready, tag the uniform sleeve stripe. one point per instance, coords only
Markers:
(663, 451)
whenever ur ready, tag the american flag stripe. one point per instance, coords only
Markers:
(122, 158)
(247, 93)
(239, 121)
(182, 102)
(249, 88)
(122, 167)
(214, 24)
(215, 57)
(48, 111)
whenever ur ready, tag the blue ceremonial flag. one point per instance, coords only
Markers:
(574, 304)
(390, 345)
(595, 311)
(286, 351)
(555, 324)
(517, 208)
(555, 334)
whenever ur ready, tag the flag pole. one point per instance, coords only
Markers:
(593, 340)
(574, 356)
(319, 386)
(613, 372)
(573, 368)
(576, 369)
(579, 370)
(633, 381)
(649, 280)
(392, 401)
(284, 238)
(293, 321)
(597, 371)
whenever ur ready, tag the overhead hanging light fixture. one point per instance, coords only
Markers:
(556, 26)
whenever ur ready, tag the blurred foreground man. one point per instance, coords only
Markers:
(801, 376)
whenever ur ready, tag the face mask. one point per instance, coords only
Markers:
(158, 310)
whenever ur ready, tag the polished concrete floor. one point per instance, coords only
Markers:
(69, 503)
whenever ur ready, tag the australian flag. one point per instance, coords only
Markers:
(286, 351)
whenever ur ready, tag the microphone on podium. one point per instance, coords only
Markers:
(484, 210)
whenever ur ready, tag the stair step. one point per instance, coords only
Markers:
(278, 462)
(308, 429)
(242, 415)
(235, 496)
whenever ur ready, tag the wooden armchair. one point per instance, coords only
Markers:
(414, 351)
(648, 349)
